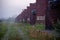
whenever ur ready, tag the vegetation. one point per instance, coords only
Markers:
(35, 33)
(57, 29)
(3, 30)
(39, 26)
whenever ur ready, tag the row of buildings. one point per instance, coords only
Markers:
(34, 13)
(43, 11)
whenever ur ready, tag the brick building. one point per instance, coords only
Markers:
(40, 9)
(52, 15)
(21, 17)
(43, 11)
(28, 14)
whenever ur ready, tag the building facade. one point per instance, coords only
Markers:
(39, 9)
(52, 15)
(43, 11)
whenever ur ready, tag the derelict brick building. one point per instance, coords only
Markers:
(52, 15)
(46, 11)
(40, 9)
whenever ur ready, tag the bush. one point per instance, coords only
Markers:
(40, 26)
(57, 31)
(57, 27)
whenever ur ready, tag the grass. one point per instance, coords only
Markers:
(3, 29)
(14, 35)
(39, 26)
(27, 28)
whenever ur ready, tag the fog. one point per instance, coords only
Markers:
(11, 8)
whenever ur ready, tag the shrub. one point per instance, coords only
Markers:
(57, 27)
(2, 30)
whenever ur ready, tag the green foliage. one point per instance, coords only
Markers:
(2, 30)
(57, 27)
(39, 26)
(27, 28)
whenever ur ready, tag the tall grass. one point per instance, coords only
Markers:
(3, 29)
(36, 32)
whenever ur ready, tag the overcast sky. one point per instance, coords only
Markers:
(13, 7)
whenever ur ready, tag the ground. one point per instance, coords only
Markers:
(22, 31)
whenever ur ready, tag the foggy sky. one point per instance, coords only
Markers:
(10, 8)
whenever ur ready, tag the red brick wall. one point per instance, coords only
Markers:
(28, 14)
(32, 17)
(40, 7)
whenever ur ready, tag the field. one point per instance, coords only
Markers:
(3, 29)
(36, 32)
(24, 31)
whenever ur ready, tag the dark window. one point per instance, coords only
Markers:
(33, 11)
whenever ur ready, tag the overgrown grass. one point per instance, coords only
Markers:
(3, 29)
(27, 28)
(14, 35)
(39, 27)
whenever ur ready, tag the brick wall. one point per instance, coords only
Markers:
(40, 6)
